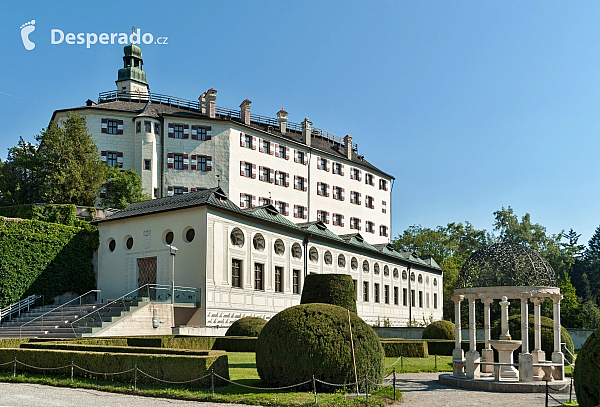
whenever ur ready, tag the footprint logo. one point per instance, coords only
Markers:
(27, 29)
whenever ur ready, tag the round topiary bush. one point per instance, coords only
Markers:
(336, 289)
(439, 330)
(514, 328)
(314, 339)
(248, 326)
(587, 372)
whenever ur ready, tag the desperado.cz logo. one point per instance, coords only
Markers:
(58, 36)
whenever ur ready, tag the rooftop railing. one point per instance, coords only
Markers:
(119, 95)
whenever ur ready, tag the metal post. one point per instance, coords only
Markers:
(314, 388)
(367, 389)
(172, 277)
(71, 370)
(401, 363)
(571, 388)
(212, 382)
(546, 393)
(15, 368)
(394, 383)
(135, 377)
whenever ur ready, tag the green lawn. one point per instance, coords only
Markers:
(414, 365)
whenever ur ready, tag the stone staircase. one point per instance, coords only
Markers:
(51, 322)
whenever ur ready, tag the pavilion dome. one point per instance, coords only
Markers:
(506, 264)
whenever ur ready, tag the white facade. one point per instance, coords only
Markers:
(180, 146)
(207, 263)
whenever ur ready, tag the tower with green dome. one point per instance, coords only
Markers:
(132, 77)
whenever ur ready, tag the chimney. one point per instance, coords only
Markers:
(282, 117)
(211, 102)
(202, 103)
(306, 131)
(245, 111)
(348, 143)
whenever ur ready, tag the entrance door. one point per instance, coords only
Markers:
(146, 271)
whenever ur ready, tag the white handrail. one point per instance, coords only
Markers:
(18, 306)
(66, 303)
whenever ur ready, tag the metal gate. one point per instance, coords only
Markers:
(146, 271)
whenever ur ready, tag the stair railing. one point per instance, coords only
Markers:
(18, 306)
(80, 299)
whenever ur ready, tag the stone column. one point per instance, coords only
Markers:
(557, 355)
(504, 334)
(538, 354)
(472, 368)
(525, 358)
(457, 353)
(487, 353)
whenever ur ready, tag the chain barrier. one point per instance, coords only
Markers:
(42, 368)
(339, 385)
(397, 360)
(100, 373)
(169, 381)
(7, 363)
(262, 388)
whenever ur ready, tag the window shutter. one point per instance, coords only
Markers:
(296, 182)
(342, 169)
(170, 160)
(351, 200)
(287, 180)
(209, 163)
(242, 168)
(305, 185)
(318, 188)
(327, 190)
(186, 190)
(253, 143)
(260, 201)
(103, 154)
(120, 159)
(359, 225)
(351, 223)
(194, 133)
(295, 211)
(194, 162)
(192, 189)
(305, 156)
(327, 163)
(276, 150)
(241, 200)
(186, 131)
(242, 140)
(260, 146)
(327, 217)
(253, 200)
(119, 126)
(343, 194)
(287, 153)
(260, 173)
(169, 191)
(272, 149)
(295, 156)
(360, 175)
(272, 180)
(253, 171)
(209, 133)
(305, 212)
(186, 161)
(171, 130)
(351, 174)
(104, 125)
(287, 209)
(342, 221)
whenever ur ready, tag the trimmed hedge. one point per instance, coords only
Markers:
(514, 327)
(247, 326)
(114, 349)
(587, 372)
(314, 339)
(164, 367)
(444, 347)
(406, 348)
(61, 214)
(439, 330)
(44, 258)
(336, 289)
(229, 344)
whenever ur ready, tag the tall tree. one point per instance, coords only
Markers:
(123, 188)
(69, 165)
(19, 179)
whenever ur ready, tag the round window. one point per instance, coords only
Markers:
(365, 266)
(313, 255)
(328, 258)
(237, 237)
(279, 247)
(112, 245)
(396, 274)
(259, 242)
(169, 237)
(129, 243)
(412, 276)
(386, 271)
(296, 251)
(420, 279)
(376, 268)
(354, 264)
(341, 261)
(190, 234)
(404, 275)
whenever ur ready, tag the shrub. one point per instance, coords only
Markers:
(444, 347)
(587, 372)
(547, 328)
(248, 326)
(406, 348)
(439, 330)
(62, 214)
(336, 289)
(314, 339)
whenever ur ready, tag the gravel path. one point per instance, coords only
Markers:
(423, 389)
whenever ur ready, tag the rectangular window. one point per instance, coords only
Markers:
(177, 190)
(148, 127)
(300, 157)
(338, 219)
(300, 183)
(278, 279)
(248, 141)
(369, 227)
(202, 133)
(201, 163)
(355, 197)
(112, 126)
(281, 150)
(266, 174)
(420, 299)
(322, 189)
(366, 291)
(404, 295)
(376, 292)
(386, 294)
(338, 193)
(156, 128)
(236, 273)
(412, 297)
(281, 207)
(248, 170)
(258, 276)
(178, 132)
(395, 295)
(111, 159)
(322, 216)
(355, 174)
(138, 127)
(266, 201)
(369, 180)
(266, 146)
(369, 202)
(383, 207)
(178, 161)
(323, 164)
(296, 281)
(281, 178)
(435, 300)
(300, 211)
(147, 164)
(383, 184)
(355, 223)
(248, 201)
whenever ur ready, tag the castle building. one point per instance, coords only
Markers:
(179, 146)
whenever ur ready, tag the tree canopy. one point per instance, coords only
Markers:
(123, 187)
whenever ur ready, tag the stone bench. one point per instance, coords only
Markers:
(458, 367)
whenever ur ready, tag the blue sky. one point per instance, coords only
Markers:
(472, 106)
